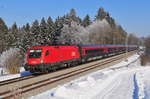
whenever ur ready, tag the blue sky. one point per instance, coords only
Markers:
(133, 15)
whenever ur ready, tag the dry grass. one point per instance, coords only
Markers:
(11, 60)
(13, 64)
(144, 59)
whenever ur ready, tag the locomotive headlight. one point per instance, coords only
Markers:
(41, 61)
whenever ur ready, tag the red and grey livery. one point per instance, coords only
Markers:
(49, 58)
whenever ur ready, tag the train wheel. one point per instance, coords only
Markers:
(54, 69)
(46, 71)
(83, 60)
(68, 65)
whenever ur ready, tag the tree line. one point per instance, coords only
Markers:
(67, 29)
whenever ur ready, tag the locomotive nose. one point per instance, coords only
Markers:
(34, 61)
(35, 56)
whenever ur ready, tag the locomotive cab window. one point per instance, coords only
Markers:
(35, 53)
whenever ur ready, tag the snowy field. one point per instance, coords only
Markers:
(125, 80)
(7, 76)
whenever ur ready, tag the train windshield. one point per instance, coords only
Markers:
(35, 53)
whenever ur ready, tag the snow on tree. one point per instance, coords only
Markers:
(16, 36)
(51, 30)
(101, 14)
(34, 37)
(73, 34)
(3, 34)
(103, 30)
(117, 33)
(25, 37)
(133, 39)
(86, 21)
(58, 25)
(72, 16)
(13, 34)
(43, 35)
(11, 60)
(99, 32)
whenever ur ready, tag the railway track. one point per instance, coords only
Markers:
(39, 84)
(9, 81)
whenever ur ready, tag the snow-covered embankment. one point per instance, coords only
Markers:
(125, 80)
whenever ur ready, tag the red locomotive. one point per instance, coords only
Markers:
(48, 58)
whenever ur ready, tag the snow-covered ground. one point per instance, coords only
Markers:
(7, 76)
(125, 80)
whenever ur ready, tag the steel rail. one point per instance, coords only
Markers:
(39, 84)
(9, 81)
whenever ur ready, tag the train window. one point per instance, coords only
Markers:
(35, 53)
(111, 49)
(47, 53)
(94, 51)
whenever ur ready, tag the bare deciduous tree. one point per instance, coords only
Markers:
(73, 34)
(99, 32)
(11, 60)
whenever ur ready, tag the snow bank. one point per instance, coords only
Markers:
(145, 83)
(125, 80)
(7, 76)
(127, 62)
(4, 57)
(138, 86)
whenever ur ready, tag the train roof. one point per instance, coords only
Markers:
(105, 45)
(51, 46)
(85, 45)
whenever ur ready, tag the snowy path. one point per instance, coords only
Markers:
(118, 89)
(144, 84)
(126, 80)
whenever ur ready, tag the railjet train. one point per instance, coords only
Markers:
(44, 59)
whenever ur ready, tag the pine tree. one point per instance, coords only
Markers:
(13, 35)
(101, 14)
(25, 37)
(72, 12)
(14, 28)
(58, 26)
(133, 39)
(72, 16)
(3, 27)
(27, 27)
(43, 32)
(50, 30)
(86, 21)
(34, 37)
(3, 35)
